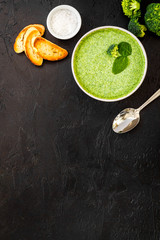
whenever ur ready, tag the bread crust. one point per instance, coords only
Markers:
(30, 51)
(19, 45)
(49, 50)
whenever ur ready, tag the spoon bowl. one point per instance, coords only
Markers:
(126, 120)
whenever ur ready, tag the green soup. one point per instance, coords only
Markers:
(93, 66)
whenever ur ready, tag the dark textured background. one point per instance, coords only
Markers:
(64, 175)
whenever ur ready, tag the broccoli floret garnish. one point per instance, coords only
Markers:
(152, 18)
(113, 50)
(131, 8)
(136, 28)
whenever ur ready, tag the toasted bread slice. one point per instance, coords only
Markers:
(49, 50)
(29, 30)
(18, 45)
(30, 51)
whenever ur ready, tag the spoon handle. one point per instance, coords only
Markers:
(154, 96)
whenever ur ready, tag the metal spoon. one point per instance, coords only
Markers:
(127, 119)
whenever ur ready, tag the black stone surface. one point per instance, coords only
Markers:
(64, 174)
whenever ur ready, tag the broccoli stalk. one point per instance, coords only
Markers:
(136, 28)
(152, 18)
(131, 8)
(113, 50)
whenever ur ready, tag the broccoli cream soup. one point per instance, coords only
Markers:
(93, 66)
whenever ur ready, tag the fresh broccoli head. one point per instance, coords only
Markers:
(152, 18)
(113, 50)
(136, 28)
(131, 8)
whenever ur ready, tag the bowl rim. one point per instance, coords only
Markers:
(72, 9)
(145, 69)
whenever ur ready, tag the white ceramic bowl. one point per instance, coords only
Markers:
(77, 18)
(145, 70)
